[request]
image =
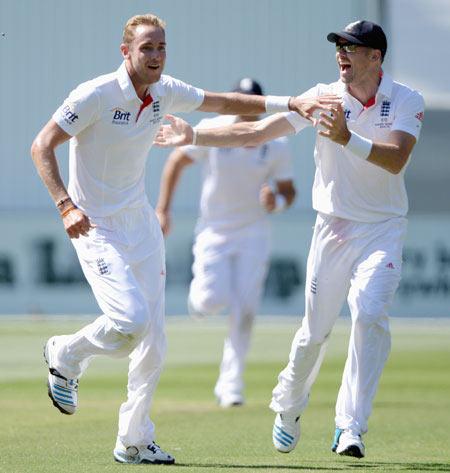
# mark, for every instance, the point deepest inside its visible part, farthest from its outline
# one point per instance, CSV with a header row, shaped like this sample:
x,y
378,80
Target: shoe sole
x,y
49,390
146,462
352,451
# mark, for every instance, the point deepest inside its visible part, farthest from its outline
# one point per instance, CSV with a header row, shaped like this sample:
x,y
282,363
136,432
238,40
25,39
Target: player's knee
x,y
370,311
308,337
246,321
207,303
138,319
377,319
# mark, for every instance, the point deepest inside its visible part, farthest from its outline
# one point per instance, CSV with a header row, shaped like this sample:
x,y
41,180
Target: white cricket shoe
x,y
148,454
350,444
286,432
61,390
230,400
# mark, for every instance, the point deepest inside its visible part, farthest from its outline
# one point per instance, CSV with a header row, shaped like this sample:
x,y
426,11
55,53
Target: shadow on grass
x,y
374,466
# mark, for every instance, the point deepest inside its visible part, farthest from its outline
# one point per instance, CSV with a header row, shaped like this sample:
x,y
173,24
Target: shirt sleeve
x,y
282,169
296,120
409,115
183,97
78,111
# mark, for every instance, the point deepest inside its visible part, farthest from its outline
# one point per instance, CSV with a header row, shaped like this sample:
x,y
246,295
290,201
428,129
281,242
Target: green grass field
x,y
409,428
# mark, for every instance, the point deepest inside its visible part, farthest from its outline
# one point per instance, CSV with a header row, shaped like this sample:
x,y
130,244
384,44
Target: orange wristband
x,y
67,211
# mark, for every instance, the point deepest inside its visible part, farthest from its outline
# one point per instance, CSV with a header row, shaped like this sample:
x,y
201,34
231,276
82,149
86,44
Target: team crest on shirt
x,y
385,111
102,266
120,116
157,117
263,153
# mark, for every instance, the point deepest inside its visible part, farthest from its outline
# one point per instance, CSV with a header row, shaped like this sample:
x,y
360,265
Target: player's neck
x,y
366,89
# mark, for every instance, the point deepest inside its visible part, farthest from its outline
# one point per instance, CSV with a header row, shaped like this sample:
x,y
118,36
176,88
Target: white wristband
x,y
275,104
194,136
280,203
359,146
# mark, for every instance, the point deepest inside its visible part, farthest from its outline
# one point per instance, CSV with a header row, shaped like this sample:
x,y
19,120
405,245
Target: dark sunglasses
x,y
347,47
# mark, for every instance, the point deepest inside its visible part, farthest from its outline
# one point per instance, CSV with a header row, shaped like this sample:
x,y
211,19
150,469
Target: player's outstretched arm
x,y
179,133
233,103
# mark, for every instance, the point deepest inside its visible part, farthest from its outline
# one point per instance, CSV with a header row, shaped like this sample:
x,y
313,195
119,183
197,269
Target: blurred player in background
x,y
362,150
111,122
231,251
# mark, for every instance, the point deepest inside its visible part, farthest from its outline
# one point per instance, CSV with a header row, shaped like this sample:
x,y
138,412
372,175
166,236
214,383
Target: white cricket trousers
x,y
360,261
229,272
123,261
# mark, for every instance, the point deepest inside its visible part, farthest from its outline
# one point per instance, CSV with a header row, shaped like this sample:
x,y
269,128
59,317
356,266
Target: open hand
x,y
335,125
307,106
177,133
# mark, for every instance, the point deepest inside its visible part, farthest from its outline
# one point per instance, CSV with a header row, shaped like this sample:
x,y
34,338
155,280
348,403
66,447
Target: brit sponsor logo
x,y
68,114
347,113
120,116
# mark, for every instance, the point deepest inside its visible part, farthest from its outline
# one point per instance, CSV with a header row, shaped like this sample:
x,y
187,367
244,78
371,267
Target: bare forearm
x,y
387,156
47,167
233,103
169,182
170,178
390,155
245,133
239,134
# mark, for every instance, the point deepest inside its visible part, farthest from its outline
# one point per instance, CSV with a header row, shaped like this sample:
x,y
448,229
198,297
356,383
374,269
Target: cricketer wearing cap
x,y
111,122
361,154
232,242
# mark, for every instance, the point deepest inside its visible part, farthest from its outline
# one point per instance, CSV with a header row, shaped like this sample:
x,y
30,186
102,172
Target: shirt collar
x,y
155,90
125,83
384,89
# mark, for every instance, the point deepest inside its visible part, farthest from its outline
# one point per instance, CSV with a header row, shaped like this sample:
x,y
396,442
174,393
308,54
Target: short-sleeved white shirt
x,y
109,144
233,177
347,186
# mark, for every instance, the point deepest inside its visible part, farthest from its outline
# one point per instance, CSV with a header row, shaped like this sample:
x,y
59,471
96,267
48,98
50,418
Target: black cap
x,y
248,86
364,33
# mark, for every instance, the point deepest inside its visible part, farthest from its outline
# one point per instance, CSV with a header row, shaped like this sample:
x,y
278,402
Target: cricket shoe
x,y
61,390
349,444
230,400
150,454
286,432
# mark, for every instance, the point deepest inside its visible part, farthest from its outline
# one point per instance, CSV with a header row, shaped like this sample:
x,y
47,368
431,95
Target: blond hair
x,y
134,21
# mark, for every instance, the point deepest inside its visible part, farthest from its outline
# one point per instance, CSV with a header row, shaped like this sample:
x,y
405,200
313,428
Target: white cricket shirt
x,y
347,186
111,137
232,179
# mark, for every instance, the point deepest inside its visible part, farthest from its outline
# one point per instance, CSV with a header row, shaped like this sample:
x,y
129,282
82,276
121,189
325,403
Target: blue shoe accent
x,y
337,434
283,437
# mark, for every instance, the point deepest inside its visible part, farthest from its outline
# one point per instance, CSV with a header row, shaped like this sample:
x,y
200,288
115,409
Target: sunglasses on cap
x,y
347,47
